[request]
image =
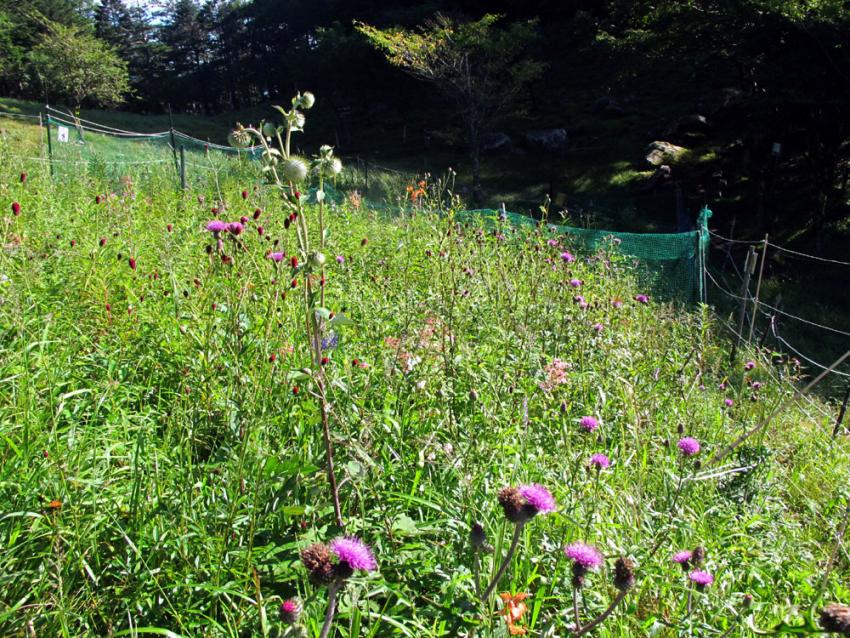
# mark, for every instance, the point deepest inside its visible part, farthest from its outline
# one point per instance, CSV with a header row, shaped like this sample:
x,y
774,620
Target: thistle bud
x,y
269,129
306,100
624,574
835,618
316,260
477,536
513,504
290,611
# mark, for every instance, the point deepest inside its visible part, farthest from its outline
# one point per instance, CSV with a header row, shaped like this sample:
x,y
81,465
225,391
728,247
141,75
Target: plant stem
x,y
575,608
329,615
514,542
601,617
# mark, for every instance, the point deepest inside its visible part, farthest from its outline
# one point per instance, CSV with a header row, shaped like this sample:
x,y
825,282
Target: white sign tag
x,y
62,134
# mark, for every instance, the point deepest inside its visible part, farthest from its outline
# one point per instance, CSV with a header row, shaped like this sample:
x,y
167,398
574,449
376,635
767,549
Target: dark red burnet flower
x,y
325,361
272,357
244,194
261,231
132,263
73,243
257,213
293,283
16,209
169,227
295,390
98,199
243,220
23,178
297,194
294,261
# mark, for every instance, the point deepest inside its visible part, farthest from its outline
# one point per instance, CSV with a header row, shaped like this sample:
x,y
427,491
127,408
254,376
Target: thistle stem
x,y
601,617
575,609
329,615
514,542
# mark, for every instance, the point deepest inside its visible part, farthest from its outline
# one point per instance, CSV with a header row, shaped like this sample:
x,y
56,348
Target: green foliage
x,y
74,65
156,405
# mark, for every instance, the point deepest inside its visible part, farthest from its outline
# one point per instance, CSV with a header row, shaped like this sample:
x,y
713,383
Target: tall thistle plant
x,y
289,173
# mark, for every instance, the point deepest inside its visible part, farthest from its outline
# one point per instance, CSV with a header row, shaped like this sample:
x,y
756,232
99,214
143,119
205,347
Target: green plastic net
x,y
107,152
670,264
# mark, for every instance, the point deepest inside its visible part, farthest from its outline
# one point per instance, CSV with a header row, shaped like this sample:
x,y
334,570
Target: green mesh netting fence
x,y
112,153
671,264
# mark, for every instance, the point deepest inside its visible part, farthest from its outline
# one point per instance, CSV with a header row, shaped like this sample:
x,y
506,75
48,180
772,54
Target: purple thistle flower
x,y
756,385
598,327
749,365
567,257
684,557
340,259
701,578
588,423
216,226
575,283
585,555
552,242
728,402
689,446
276,257
538,497
235,228
600,461
641,298
355,552
617,303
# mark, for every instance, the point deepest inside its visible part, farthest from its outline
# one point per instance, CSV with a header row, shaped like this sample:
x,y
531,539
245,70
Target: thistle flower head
x,y
216,226
749,365
585,558
354,552
235,228
567,257
317,560
700,578
583,554
513,504
683,558
588,423
600,461
277,257
642,298
689,446
538,497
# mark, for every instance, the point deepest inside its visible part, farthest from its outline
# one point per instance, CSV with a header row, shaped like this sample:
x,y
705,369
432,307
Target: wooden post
x,y
182,167
173,141
49,144
758,289
749,266
841,413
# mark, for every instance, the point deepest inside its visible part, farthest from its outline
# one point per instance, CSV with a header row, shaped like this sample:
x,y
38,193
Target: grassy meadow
x,y
161,432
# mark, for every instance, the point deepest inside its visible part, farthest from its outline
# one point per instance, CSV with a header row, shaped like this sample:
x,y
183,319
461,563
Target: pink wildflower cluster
x,y
556,374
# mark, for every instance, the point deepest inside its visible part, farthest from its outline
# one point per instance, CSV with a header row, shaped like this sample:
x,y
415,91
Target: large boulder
x,y
608,107
494,143
688,125
552,140
659,153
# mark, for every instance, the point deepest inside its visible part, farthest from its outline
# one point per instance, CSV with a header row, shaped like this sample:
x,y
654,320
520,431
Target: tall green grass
x,y
160,473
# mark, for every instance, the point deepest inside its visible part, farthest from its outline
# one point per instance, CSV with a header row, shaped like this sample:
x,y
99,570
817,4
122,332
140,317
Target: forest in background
x,y
755,93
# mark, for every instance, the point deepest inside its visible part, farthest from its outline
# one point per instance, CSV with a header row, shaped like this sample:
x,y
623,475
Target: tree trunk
x,y
475,157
